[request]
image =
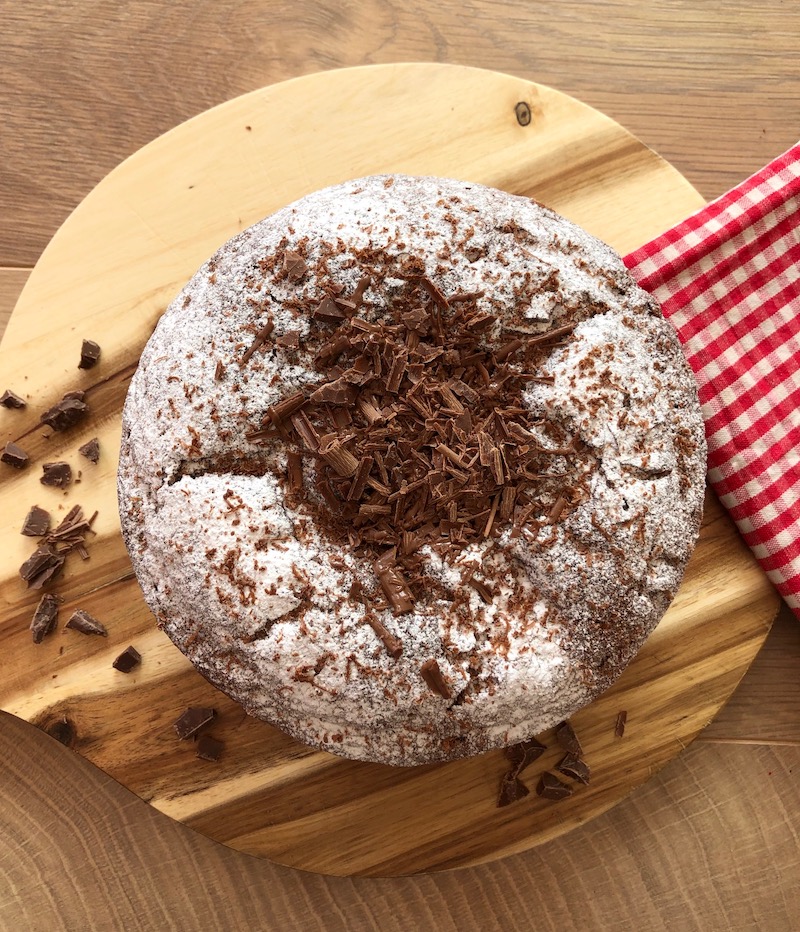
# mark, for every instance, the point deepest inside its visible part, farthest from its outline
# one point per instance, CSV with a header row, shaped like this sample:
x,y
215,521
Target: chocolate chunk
x,y
14,456
550,787
127,660
91,450
65,413
328,311
192,720
289,340
90,354
524,753
433,677
10,399
294,265
566,737
209,748
41,566
511,789
45,617
37,522
58,475
572,766
82,621
619,728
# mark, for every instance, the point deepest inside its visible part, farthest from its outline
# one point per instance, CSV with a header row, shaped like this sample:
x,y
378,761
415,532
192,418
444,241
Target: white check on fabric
x,y
728,279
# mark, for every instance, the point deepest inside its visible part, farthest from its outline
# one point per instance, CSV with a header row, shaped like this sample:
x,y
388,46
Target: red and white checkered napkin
x,y
728,278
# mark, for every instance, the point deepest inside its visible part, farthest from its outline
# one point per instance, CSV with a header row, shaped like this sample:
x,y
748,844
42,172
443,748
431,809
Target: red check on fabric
x,y
728,279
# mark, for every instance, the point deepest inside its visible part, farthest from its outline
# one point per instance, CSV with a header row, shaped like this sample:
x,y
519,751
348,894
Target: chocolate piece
x,y
45,617
65,413
41,566
294,265
572,766
390,642
37,522
566,737
219,370
396,590
550,787
91,450
511,789
90,354
619,727
127,660
289,340
433,677
58,475
14,456
524,753
294,468
328,311
10,399
261,338
209,748
82,621
192,720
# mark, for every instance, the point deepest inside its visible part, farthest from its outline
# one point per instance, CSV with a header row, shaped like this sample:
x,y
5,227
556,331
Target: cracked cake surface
x,y
411,468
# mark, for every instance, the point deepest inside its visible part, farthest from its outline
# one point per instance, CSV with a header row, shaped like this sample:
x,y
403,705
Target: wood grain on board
x,y
116,262
711,842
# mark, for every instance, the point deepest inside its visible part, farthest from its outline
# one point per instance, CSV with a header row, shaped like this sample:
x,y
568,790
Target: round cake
x,y
411,469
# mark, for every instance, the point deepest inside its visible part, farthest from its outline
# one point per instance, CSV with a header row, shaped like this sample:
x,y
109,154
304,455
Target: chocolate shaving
x,y
550,787
15,456
127,660
58,475
85,623
48,559
511,789
67,412
566,737
91,450
573,766
10,399
483,590
523,754
209,748
261,338
37,522
90,354
396,590
294,468
619,727
390,642
433,677
219,370
45,617
192,720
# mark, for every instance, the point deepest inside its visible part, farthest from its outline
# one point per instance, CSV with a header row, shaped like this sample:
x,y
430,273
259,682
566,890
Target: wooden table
x,y
712,842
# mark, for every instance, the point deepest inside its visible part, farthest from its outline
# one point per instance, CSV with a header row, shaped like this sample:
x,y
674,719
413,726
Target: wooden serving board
x,y
109,273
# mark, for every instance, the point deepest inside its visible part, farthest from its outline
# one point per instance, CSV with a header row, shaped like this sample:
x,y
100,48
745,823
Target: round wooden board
x,y
109,273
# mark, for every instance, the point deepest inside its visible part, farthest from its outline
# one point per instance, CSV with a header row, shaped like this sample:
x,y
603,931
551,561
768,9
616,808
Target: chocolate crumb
x,y
127,660
219,370
566,737
41,566
209,748
572,766
90,354
192,720
511,789
619,727
91,450
550,787
524,753
433,677
15,456
67,412
57,475
45,617
85,623
10,399
37,522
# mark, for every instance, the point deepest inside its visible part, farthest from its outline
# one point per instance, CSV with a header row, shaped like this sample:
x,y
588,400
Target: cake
x,y
411,469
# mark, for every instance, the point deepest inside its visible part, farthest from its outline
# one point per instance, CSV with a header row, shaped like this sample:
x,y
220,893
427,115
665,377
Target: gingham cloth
x,y
728,279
